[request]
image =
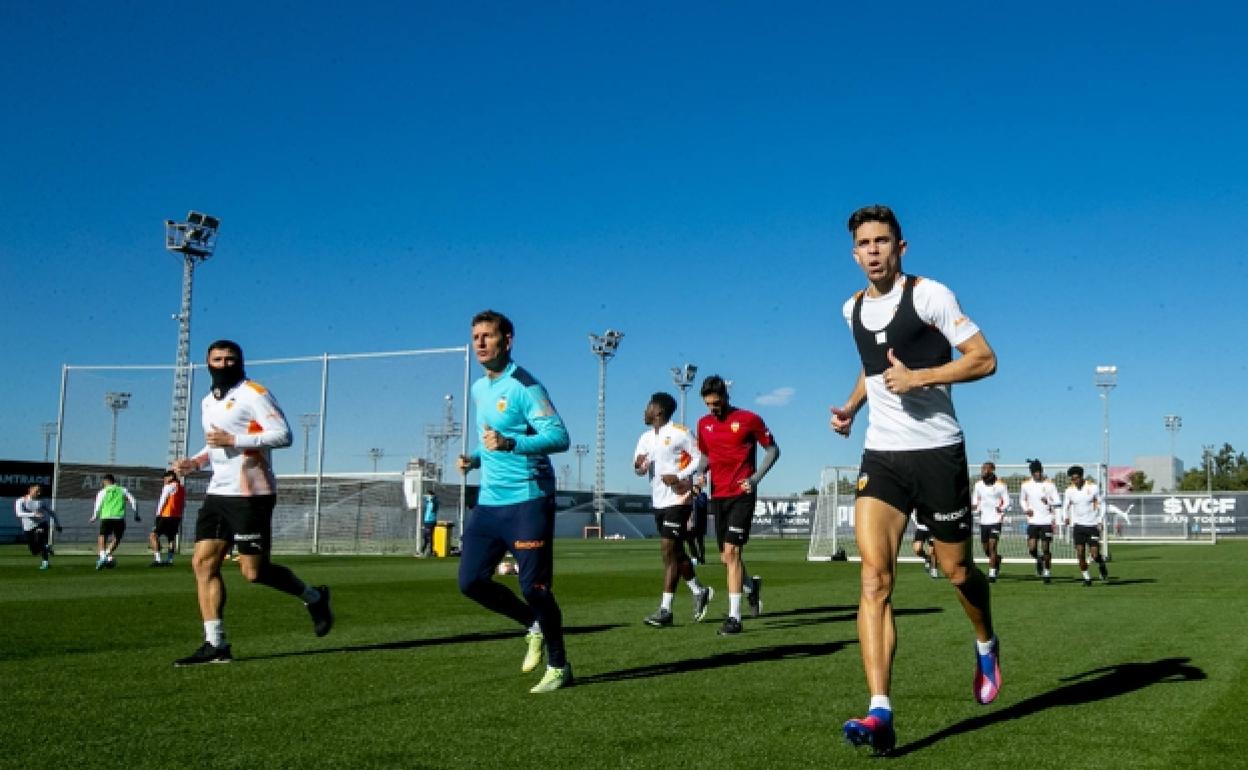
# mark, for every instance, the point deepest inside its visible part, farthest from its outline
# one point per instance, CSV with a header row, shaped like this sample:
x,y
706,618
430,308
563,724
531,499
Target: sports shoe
x,y
536,641
322,616
874,730
934,572
206,653
659,618
44,564
756,597
731,626
1104,572
1087,582
992,578
110,564
554,679
701,602
1047,579
155,563
987,681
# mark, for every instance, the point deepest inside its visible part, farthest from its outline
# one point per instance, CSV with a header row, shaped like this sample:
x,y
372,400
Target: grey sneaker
x,y
756,597
701,602
659,618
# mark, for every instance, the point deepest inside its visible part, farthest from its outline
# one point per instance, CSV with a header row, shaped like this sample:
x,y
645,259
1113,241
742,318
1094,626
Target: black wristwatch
x,y
511,444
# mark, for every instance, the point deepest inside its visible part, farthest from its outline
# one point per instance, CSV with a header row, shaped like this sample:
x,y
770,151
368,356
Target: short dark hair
x,y
170,475
1074,470
876,213
229,345
665,403
1034,466
715,384
109,478
504,324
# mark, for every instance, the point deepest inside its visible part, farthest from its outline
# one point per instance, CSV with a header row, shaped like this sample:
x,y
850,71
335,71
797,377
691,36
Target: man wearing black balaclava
x,y
242,425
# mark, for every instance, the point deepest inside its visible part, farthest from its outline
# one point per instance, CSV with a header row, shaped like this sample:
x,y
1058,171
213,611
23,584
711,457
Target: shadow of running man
x,y
1087,687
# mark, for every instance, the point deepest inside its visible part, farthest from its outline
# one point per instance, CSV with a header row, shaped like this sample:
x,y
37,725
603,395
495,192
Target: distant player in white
x,y
668,454
1038,498
991,499
919,542
1082,505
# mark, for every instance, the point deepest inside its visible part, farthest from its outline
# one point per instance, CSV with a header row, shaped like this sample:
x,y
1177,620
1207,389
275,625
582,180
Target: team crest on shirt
x,y
862,481
502,404
736,426
667,441
229,404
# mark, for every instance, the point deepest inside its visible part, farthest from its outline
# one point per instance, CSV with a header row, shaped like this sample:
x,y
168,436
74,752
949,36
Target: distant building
x,y
1164,471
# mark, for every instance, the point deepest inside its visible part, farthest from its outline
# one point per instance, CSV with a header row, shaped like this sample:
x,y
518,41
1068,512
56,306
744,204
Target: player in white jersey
x,y
1038,498
991,499
905,329
242,426
668,454
1082,505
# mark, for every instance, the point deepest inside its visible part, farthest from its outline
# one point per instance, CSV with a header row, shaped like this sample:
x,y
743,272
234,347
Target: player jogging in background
x,y
668,455
920,543
110,509
905,329
242,426
728,438
37,519
1038,498
168,522
1082,505
517,429
990,499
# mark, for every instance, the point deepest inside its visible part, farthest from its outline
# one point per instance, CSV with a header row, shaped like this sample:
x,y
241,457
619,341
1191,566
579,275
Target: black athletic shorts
x,y
113,527
733,517
931,482
37,538
671,522
1040,532
247,521
167,526
989,532
1086,534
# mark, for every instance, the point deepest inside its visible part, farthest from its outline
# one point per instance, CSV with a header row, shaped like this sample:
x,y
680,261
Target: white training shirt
x,y
671,449
1038,499
251,414
33,513
1083,506
991,501
923,418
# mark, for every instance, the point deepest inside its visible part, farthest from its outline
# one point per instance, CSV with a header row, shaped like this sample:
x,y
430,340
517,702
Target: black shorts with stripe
x,y
245,521
733,518
931,482
672,522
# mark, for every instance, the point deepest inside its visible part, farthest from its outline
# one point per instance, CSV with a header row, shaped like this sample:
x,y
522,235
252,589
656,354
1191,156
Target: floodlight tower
x,y
116,402
438,437
581,450
1106,379
308,421
683,377
194,241
375,454
604,346
49,430
1174,423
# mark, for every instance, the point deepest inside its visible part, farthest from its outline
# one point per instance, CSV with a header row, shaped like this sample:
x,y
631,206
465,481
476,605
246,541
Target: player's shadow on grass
x,y
1087,687
718,660
437,641
848,615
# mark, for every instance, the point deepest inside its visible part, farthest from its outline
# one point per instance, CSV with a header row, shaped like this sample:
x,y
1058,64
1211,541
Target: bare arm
x,y
843,417
975,362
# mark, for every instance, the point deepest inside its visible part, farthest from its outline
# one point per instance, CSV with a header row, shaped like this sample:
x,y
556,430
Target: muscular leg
x,y
730,555
1081,551
957,562
879,531
206,563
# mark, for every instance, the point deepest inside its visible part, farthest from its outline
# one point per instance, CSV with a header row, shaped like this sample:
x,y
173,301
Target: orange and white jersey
x,y
991,501
1038,499
172,501
1083,504
251,414
669,450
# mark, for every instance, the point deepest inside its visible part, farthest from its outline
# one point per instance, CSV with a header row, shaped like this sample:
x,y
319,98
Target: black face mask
x,y
990,478
225,378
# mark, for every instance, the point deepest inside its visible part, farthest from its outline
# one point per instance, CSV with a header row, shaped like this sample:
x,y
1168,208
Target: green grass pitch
x,y
1150,671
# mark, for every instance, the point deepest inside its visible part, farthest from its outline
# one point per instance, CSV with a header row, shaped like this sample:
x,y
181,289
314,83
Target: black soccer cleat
x,y
322,616
207,653
731,627
755,598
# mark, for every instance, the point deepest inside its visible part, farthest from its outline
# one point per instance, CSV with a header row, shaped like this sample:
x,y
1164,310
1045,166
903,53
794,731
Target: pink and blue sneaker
x,y
987,681
874,730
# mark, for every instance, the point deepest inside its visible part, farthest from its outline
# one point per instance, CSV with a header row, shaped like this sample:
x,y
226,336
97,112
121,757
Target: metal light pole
x,y
1208,449
993,454
1106,379
49,430
581,450
116,402
683,376
604,346
1173,424
308,421
375,454
194,241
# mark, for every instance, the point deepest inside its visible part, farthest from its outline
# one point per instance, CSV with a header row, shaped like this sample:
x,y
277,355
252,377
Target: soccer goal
x,y
832,531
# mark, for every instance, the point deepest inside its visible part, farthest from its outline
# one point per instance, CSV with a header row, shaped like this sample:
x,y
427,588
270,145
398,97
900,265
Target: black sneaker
x,y
207,653
1047,579
1104,573
660,618
322,616
756,597
1087,582
731,626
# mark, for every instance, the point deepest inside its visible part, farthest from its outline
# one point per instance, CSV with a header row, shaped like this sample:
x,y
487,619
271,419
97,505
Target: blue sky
x,y
1076,173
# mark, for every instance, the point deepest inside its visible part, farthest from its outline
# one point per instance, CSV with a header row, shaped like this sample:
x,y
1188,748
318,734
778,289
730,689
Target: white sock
x,y
1086,576
156,556
734,606
983,648
214,632
535,628
310,595
666,602
992,573
694,586
1046,572
881,702
103,555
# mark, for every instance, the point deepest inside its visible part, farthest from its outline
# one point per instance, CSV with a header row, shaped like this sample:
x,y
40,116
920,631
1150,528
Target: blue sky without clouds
x,y
1076,172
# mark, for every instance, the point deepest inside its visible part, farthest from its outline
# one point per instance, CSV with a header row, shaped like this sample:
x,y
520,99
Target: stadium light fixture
x,y
49,430
116,401
1173,423
604,346
375,454
683,377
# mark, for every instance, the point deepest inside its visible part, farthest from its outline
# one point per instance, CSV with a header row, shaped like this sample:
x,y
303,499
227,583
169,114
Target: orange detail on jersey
x,y
255,427
685,459
257,387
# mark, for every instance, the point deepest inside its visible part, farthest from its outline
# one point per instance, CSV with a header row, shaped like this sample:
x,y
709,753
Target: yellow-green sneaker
x,y
536,641
553,679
